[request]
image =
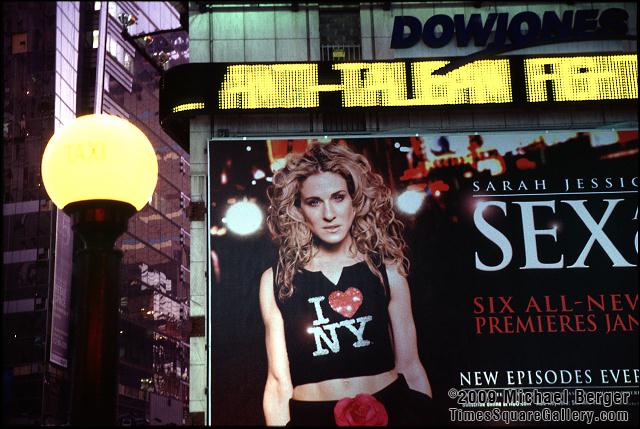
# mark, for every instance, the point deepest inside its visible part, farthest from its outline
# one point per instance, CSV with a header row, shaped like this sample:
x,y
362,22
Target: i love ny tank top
x,y
337,330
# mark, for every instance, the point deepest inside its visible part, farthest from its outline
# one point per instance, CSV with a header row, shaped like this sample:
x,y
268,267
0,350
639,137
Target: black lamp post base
x,y
99,222
95,304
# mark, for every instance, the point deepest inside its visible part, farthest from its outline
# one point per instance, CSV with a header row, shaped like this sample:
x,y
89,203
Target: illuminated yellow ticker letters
x,y
480,82
373,84
269,86
187,106
610,77
385,84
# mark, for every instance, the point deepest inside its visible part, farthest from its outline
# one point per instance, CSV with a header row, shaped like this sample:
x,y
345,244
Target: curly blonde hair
x,y
375,230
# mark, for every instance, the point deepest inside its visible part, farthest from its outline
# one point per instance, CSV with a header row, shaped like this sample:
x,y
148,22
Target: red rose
x,y
363,410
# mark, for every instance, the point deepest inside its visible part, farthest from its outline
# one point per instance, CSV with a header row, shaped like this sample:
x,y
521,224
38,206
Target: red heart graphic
x,y
347,302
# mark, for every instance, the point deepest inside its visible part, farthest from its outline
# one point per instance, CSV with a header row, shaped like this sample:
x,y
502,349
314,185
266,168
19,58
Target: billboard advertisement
x,y
446,279
61,291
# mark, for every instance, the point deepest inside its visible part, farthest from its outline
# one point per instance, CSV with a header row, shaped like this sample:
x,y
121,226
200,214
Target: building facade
x,y
267,108
62,60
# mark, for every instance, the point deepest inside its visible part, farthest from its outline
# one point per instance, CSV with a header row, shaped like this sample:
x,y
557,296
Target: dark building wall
x,y
339,27
28,122
154,347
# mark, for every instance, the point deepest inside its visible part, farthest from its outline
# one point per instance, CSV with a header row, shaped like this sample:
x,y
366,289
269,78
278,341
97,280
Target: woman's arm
x,y
404,333
278,389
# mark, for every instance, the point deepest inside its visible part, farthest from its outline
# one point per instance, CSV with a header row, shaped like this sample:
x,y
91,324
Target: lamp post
x,y
99,169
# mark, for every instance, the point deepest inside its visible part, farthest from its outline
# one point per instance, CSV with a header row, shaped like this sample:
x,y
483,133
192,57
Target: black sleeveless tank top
x,y
337,331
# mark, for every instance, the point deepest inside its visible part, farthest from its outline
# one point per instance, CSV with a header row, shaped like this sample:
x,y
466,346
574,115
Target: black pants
x,y
405,407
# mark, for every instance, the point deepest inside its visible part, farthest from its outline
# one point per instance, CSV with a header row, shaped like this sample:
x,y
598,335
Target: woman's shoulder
x,y
394,273
267,276
267,281
266,290
392,267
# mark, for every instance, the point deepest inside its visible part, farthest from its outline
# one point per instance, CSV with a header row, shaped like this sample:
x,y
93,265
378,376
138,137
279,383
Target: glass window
x,y
113,9
113,47
116,50
19,43
128,64
96,35
97,5
120,53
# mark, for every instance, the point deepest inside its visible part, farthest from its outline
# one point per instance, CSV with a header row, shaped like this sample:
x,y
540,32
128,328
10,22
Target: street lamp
x,y
99,169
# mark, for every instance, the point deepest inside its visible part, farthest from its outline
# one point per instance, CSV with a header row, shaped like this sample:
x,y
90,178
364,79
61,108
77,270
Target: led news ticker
x,y
411,83
607,77
187,106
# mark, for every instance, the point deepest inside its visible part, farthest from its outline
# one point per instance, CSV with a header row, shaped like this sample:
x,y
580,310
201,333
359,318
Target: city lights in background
x,y
243,218
494,166
259,174
410,201
278,164
217,231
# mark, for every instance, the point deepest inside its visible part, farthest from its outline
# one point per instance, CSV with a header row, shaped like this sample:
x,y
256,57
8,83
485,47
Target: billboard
x,y
523,250
58,352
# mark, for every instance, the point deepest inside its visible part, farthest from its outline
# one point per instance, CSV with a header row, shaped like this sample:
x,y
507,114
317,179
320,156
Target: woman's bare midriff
x,y
336,389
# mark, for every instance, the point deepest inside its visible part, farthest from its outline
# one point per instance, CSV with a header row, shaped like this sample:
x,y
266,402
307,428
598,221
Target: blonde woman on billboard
x,y
340,336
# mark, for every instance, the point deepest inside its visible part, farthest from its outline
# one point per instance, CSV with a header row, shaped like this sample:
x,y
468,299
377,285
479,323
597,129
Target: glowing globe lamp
x,y
99,157
99,169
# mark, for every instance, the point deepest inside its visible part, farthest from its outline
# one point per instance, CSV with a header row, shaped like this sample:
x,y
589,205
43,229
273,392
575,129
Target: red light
x,y
438,186
99,215
525,164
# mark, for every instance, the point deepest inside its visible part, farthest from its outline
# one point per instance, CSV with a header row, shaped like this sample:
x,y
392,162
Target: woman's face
x,y
327,207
